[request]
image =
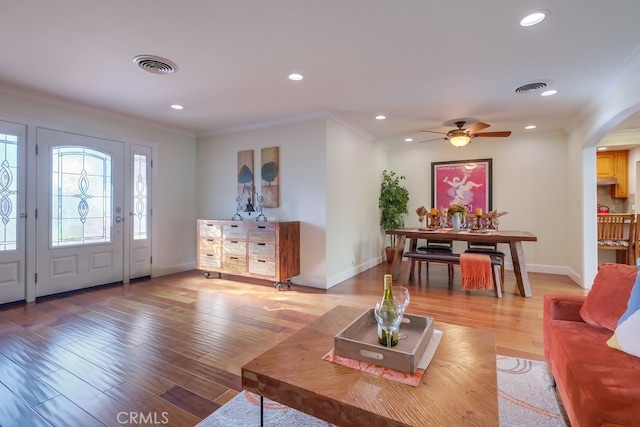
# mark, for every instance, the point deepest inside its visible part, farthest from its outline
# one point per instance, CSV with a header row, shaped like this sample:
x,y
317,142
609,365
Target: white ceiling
x,y
422,63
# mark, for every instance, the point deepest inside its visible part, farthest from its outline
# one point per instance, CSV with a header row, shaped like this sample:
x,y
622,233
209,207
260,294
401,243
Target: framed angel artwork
x,y
462,182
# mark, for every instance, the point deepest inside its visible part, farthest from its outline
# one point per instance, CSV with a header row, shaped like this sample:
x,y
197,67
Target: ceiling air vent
x,y
531,86
155,64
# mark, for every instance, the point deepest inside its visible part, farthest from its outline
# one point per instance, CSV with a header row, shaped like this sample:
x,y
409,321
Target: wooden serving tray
x,y
359,341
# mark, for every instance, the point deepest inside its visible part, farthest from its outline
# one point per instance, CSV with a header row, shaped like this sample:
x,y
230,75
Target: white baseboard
x,y
176,268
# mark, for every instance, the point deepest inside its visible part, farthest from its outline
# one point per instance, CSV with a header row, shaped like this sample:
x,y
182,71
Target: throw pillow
x,y
626,337
609,294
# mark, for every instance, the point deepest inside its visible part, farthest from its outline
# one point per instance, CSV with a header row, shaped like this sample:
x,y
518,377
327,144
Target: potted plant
x,y
392,202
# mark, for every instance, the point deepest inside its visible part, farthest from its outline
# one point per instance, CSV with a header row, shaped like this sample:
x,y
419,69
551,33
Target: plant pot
x,y
390,252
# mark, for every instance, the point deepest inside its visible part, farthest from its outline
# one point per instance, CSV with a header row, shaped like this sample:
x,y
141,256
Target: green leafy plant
x,y
393,202
457,208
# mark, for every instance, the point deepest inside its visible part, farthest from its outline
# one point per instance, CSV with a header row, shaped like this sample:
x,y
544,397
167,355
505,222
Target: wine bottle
x,y
389,304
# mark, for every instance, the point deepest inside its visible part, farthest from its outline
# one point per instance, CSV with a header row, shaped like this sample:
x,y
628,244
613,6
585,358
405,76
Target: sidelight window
x,y
8,192
140,197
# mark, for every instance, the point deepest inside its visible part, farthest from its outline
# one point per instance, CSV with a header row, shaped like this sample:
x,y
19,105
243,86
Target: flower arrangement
x,y
457,208
421,212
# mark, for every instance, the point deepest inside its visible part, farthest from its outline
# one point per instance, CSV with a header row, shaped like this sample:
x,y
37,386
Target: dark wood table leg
x,y
520,268
397,258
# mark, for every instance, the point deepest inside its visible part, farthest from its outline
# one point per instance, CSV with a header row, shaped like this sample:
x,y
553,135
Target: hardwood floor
x,y
168,351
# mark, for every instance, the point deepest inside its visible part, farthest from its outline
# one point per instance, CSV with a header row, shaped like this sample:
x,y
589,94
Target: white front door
x,y
79,212
12,212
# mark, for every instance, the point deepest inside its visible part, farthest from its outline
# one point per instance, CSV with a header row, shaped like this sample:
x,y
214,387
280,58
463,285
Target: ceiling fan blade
x,y
493,134
435,139
433,131
476,127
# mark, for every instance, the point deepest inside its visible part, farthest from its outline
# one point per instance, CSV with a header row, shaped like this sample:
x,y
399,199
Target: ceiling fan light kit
x,y
459,140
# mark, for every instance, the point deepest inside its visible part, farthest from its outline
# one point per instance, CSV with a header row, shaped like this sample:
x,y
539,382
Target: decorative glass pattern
x,y
140,197
81,203
8,192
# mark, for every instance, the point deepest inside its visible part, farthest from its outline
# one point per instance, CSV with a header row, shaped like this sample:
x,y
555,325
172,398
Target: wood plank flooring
x,y
168,351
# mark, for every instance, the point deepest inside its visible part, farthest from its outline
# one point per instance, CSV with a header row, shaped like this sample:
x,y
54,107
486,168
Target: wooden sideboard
x,y
267,250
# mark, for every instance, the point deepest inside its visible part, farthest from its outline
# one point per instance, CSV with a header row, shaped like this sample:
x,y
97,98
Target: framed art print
x,y
462,182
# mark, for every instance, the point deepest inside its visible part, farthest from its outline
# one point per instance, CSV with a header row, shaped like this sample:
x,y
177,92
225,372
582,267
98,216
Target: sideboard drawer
x,y
262,267
262,233
234,264
262,250
234,231
208,244
234,247
210,261
208,229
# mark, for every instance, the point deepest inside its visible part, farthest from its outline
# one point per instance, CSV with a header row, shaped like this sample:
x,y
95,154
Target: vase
x,y
456,221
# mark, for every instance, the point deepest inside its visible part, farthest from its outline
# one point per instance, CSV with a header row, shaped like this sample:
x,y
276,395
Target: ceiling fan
x,y
461,137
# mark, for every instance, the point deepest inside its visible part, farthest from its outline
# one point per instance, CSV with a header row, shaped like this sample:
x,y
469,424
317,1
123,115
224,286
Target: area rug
x,y
525,398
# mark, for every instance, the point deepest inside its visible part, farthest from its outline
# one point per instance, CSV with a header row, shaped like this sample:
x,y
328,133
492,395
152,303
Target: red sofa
x,y
598,385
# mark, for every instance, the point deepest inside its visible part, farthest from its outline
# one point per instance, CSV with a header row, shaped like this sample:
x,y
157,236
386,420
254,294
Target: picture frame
x,y
462,182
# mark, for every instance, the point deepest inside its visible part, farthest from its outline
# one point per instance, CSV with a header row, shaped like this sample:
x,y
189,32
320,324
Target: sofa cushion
x,y
609,294
626,336
597,384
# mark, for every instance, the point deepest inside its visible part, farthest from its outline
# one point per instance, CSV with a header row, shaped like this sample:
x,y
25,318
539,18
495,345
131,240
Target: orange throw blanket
x,y
476,271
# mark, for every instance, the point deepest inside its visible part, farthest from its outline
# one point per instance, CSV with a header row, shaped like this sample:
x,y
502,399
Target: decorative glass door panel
x,y
81,202
12,212
140,223
79,199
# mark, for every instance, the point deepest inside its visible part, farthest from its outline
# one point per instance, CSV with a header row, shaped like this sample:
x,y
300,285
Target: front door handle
x,y
119,219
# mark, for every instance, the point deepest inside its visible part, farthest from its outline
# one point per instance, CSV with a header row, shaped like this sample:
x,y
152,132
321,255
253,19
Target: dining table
x,y
513,238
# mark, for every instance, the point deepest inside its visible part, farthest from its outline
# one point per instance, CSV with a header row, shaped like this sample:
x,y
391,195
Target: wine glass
x,y
401,297
388,318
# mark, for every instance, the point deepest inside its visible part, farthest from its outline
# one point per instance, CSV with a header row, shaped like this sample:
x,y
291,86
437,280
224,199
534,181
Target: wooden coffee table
x,y
458,388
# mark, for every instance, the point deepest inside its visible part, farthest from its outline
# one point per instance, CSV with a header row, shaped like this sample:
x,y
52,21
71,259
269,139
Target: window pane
x,y
140,200
8,192
80,196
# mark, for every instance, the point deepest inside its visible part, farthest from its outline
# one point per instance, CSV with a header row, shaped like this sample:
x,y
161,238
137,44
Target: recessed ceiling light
x,y
381,117
530,127
296,77
533,18
408,140
601,148
177,107
549,92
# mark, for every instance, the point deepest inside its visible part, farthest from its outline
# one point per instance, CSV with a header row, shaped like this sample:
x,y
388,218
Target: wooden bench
x,y
452,259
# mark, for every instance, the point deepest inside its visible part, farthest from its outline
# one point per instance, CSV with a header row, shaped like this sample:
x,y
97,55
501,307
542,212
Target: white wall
x,y
616,100
529,177
302,184
174,152
354,173
329,178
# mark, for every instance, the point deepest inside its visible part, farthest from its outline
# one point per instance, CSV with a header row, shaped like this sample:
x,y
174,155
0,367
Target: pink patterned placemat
x,y
381,371
387,373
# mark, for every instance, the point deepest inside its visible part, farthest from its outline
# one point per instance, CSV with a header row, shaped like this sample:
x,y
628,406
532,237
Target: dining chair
x,y
618,232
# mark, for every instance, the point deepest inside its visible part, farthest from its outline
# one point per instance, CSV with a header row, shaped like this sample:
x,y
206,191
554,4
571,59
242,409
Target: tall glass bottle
x,y
389,303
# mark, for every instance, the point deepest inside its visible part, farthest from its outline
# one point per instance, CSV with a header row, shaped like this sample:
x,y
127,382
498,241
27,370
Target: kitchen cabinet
x,y
614,164
605,164
262,250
